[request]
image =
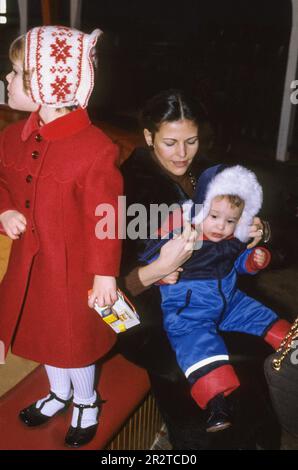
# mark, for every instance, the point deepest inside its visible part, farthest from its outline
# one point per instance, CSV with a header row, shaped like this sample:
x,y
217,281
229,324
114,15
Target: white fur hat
x,y
60,62
221,180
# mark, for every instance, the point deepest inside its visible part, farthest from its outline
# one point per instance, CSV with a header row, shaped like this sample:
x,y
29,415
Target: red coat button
x,y
35,154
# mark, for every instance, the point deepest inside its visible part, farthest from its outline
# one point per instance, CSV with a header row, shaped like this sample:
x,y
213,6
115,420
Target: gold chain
x,y
286,345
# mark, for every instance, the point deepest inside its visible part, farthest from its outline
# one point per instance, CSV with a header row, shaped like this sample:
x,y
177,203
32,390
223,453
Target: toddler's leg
x,y
60,385
209,392
84,394
247,315
57,401
222,380
87,407
203,357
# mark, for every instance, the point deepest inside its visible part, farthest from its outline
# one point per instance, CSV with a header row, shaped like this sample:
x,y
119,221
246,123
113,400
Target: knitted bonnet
x,y
59,60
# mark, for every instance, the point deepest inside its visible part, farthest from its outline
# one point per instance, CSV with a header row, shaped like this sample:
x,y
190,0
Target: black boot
x,y
219,415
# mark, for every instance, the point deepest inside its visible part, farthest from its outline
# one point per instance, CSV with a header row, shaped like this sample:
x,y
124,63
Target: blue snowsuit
x,y
206,300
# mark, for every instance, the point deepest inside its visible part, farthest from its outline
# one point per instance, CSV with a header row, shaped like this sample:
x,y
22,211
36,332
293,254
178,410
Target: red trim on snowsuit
x,y
221,380
277,332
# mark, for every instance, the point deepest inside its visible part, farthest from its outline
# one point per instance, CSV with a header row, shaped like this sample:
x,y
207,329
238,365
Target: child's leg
x,y
222,380
210,390
203,357
60,385
58,400
87,407
247,315
192,328
84,394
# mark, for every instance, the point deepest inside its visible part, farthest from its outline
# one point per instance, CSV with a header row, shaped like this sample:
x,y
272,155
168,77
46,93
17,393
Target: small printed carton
x,y
121,316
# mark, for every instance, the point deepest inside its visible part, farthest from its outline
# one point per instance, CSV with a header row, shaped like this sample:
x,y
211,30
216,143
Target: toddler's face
x,y
17,97
221,220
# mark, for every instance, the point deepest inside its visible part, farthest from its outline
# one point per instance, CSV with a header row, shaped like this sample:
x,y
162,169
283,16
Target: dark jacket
x,y
146,183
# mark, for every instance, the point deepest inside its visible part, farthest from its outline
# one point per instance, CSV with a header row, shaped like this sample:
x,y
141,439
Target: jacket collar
x,y
60,128
141,166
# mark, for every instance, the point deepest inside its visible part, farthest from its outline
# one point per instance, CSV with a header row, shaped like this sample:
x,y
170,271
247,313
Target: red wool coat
x,y
56,176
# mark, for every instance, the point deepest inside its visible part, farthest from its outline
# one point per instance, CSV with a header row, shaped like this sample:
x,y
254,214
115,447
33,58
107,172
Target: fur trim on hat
x,y
60,64
236,181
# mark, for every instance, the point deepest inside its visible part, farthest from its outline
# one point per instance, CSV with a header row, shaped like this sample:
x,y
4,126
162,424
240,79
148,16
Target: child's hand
x,y
171,278
14,223
259,257
104,291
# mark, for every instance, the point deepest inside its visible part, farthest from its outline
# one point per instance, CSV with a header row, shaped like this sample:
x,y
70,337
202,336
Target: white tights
x,y
82,381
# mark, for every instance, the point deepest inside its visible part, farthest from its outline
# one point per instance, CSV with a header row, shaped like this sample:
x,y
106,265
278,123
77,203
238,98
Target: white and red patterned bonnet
x,y
59,60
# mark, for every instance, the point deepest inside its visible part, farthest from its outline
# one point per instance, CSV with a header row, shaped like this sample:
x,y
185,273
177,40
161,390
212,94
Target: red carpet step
x,y
122,384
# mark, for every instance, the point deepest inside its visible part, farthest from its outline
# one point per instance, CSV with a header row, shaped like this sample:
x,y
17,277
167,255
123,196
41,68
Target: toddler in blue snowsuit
x,y
206,299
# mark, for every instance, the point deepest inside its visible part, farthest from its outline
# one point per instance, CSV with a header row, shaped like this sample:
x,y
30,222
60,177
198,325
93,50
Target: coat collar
x,y
60,128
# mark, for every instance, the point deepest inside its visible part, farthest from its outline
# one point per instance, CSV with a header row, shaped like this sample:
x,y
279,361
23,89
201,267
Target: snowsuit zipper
x,y
187,301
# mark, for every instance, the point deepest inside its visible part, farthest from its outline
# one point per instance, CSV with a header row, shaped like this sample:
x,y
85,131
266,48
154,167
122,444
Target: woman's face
x,y
175,145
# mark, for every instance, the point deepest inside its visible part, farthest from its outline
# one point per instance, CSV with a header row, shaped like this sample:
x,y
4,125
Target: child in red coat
x,y
56,169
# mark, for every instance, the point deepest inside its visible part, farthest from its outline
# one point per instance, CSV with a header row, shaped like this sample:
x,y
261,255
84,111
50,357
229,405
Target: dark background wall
x,y
231,53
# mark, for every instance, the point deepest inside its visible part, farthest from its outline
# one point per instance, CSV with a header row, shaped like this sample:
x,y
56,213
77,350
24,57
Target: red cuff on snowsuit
x,y
221,380
277,332
252,266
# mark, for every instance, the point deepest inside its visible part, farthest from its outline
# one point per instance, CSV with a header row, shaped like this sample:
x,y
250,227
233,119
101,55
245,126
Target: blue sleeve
x,y
240,263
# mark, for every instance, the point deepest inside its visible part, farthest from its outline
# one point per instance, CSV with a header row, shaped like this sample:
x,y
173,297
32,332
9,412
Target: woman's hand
x,y
256,232
171,278
104,291
14,223
177,251
172,255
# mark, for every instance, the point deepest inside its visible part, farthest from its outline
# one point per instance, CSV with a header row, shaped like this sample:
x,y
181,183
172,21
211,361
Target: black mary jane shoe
x,y
78,436
32,416
219,415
